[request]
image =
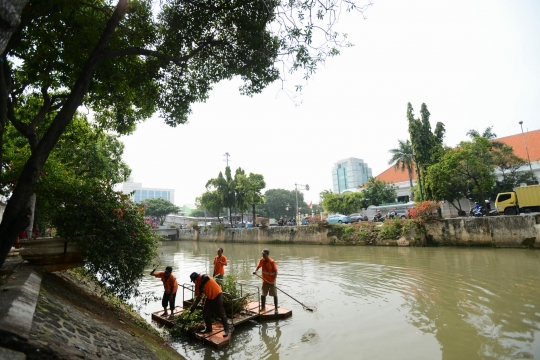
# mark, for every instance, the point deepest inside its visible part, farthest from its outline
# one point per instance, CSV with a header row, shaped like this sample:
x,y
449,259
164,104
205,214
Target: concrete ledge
x,y
11,355
18,299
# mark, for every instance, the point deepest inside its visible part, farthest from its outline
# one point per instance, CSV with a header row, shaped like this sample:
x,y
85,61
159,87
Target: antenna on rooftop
x,y
227,156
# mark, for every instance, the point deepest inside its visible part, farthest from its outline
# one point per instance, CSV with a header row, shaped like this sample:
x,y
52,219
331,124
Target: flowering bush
x,y
151,222
425,212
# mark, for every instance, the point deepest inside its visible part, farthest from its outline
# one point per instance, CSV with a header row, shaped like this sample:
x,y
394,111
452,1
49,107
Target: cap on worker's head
x,y
265,251
487,201
193,276
378,210
168,269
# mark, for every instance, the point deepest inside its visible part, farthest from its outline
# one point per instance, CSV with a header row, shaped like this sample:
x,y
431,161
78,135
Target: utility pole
x,y
302,187
526,149
227,156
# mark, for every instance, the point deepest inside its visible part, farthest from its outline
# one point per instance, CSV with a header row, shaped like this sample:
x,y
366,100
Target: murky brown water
x,y
379,303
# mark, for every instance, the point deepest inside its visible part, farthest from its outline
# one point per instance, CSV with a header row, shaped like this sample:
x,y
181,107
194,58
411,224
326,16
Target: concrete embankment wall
x,y
501,231
498,231
291,234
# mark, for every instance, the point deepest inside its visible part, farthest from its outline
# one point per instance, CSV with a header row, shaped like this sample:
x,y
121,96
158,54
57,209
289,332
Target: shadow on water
x,y
380,303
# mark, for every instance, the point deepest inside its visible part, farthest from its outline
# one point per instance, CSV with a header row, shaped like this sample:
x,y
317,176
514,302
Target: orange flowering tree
x,y
425,212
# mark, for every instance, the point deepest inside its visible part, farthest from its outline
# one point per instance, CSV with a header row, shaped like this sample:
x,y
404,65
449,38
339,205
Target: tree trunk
x,y
17,214
253,208
10,19
32,208
411,193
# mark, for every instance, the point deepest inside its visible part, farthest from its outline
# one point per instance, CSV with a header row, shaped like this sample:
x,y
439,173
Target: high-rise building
x,y
142,194
349,174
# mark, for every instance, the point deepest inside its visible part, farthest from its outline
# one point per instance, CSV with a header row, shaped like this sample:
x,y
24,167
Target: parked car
x,y
339,219
401,214
358,217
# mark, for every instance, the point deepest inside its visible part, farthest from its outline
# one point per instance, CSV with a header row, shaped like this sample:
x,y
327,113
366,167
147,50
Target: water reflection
x,y
410,303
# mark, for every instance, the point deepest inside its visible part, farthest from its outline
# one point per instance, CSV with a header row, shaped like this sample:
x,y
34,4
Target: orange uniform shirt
x,y
218,268
269,270
170,284
211,288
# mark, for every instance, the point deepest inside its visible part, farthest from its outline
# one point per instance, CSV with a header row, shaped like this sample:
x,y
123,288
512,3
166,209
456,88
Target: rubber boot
x,y
208,328
263,302
225,326
275,305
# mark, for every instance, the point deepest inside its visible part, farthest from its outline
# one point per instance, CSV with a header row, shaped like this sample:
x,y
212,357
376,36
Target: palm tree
x,y
402,158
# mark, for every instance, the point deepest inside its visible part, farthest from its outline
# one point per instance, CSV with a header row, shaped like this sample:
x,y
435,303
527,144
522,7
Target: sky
x,y
474,63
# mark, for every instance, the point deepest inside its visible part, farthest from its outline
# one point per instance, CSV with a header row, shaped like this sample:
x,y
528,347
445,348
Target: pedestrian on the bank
x,y
213,305
171,287
219,262
269,275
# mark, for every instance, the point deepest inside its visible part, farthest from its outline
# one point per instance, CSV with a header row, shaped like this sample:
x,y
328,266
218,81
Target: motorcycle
x,y
378,218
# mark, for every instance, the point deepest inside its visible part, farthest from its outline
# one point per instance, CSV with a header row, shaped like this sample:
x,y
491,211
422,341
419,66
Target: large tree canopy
x,y
127,59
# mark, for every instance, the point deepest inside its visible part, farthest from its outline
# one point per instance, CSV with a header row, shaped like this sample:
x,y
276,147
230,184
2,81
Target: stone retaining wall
x,y
500,231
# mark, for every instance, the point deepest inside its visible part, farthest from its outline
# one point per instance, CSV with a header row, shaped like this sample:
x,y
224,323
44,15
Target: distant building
x,y
349,174
143,193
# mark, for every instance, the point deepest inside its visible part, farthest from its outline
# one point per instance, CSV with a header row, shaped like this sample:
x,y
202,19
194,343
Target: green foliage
x,y
249,189
470,166
391,229
159,208
427,146
378,192
211,201
347,203
233,300
119,249
276,201
187,323
224,186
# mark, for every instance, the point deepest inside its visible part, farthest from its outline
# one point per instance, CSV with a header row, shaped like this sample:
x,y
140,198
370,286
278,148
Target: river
x,y
377,302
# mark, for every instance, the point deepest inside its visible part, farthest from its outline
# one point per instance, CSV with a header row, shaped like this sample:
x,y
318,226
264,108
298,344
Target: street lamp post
x,y
302,187
526,149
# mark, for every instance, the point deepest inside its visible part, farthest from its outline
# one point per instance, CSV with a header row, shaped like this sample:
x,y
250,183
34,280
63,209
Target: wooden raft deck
x,y
215,338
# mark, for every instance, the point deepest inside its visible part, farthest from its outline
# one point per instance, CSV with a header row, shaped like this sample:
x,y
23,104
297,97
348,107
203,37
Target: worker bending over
x,y
206,285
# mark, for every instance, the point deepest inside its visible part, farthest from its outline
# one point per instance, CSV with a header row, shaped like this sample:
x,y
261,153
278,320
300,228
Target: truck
x,y
524,199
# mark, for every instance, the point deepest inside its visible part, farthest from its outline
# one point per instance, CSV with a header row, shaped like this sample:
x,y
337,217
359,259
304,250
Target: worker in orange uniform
x,y
269,275
206,285
219,262
171,287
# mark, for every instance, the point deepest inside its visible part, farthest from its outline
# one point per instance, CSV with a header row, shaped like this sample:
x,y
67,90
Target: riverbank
x,y
521,231
71,320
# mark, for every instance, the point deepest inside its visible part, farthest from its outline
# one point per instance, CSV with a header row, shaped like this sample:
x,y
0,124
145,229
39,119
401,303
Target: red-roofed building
x,y
401,178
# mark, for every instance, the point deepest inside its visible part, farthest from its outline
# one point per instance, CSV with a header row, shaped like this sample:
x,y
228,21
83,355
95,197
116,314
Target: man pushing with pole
x,y
269,275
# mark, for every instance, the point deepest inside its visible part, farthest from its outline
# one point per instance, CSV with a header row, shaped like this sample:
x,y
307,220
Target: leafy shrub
x,y
230,300
391,229
425,212
109,230
218,227
187,323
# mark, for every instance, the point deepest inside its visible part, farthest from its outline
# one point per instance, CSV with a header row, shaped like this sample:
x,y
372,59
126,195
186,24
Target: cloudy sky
x,y
474,63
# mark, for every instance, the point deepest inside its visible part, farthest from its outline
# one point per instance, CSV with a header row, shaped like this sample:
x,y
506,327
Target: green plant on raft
x,y
232,301
187,323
